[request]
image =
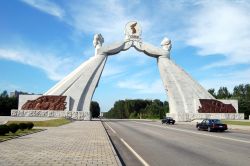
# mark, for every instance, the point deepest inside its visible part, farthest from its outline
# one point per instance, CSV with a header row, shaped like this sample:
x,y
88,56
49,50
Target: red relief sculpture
x,y
215,106
46,103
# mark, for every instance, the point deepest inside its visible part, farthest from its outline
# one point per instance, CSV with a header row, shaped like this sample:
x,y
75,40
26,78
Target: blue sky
x,y
41,41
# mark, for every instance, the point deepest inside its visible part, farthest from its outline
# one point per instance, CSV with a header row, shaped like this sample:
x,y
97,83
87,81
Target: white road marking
x,y
187,131
129,147
110,128
134,152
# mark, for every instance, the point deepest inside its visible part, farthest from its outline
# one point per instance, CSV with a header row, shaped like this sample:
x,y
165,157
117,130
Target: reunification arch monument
x,y
71,97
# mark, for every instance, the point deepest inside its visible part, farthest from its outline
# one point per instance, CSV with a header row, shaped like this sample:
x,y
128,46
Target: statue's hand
x,y
114,48
98,41
150,50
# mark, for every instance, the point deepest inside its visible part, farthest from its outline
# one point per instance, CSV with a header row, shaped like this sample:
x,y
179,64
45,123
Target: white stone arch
x,y
183,92
187,98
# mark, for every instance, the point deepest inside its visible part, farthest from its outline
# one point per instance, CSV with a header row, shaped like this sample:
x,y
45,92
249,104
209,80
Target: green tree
x,y
212,92
239,91
7,103
95,109
247,89
4,94
242,94
138,108
223,93
244,107
157,109
154,111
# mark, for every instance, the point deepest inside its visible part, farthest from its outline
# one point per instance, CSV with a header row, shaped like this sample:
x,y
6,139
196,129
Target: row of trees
x,y
144,108
240,93
139,109
157,109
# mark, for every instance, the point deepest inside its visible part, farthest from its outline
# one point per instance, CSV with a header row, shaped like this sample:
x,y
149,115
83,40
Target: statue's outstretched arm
x,y
115,48
154,51
110,49
149,49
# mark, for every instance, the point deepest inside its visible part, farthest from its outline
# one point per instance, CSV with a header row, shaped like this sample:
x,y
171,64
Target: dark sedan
x,y
211,125
168,120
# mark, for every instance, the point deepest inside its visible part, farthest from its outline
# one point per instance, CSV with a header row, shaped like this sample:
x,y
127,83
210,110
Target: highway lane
x,y
159,144
234,134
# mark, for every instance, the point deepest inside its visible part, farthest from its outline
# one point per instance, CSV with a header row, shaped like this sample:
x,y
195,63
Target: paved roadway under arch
x,y
179,144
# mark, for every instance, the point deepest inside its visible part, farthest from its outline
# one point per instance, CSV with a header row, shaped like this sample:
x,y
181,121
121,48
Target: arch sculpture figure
x,y
183,92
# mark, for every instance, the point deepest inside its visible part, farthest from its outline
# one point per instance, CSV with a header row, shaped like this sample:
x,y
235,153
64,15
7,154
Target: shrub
x,y
13,127
23,126
4,129
30,125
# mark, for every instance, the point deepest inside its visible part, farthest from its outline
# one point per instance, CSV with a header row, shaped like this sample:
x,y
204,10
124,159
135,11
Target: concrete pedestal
x,y
76,115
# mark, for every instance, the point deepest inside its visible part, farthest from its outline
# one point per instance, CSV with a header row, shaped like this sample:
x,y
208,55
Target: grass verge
x,y
19,133
47,123
232,122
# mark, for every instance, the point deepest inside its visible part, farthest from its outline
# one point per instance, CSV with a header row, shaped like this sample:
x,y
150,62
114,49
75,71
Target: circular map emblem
x,y
133,30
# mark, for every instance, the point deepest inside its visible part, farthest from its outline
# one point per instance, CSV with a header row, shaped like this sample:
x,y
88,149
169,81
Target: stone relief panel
x,y
46,103
215,106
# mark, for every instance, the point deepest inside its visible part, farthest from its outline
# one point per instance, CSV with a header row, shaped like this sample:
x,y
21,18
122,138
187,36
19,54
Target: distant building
x,y
17,93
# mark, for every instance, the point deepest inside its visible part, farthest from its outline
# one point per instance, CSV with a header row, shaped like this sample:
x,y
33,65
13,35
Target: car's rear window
x,y
216,121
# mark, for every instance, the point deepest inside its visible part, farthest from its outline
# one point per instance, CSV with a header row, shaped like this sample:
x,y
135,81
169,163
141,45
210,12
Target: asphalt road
x,y
151,143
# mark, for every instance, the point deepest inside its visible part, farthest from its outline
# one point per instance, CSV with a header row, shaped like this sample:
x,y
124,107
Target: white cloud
x,y
130,57
214,27
142,87
221,27
126,63
229,79
112,70
106,17
47,7
89,17
54,66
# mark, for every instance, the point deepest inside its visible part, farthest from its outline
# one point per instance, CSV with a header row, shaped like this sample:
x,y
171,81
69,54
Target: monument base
x,y
192,116
76,115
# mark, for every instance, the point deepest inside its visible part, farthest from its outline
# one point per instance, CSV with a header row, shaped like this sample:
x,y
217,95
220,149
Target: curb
x,y
118,161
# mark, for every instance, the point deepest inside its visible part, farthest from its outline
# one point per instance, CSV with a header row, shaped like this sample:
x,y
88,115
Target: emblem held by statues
x,y
133,31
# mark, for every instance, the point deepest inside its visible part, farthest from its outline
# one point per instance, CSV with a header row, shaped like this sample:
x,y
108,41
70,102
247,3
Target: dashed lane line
x,y
130,148
111,128
134,152
187,131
